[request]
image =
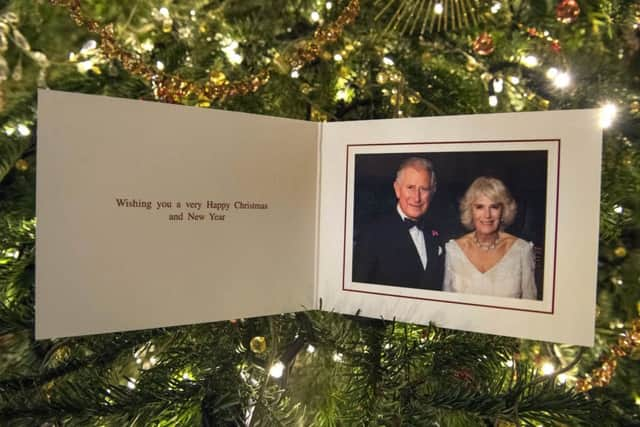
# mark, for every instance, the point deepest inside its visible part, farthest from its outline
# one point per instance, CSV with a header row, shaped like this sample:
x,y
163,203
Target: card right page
x,y
538,176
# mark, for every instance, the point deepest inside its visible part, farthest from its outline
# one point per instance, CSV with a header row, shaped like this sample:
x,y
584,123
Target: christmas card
x,y
154,215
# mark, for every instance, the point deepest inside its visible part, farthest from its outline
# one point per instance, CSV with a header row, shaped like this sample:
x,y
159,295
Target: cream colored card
x,y
550,159
154,215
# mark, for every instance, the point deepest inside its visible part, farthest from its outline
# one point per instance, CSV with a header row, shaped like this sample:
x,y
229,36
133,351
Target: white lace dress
x,y
512,276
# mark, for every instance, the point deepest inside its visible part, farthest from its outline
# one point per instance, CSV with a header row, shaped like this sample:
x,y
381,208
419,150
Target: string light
x,y
159,65
164,12
88,47
337,357
551,73
147,45
277,370
438,8
295,74
498,85
387,61
84,66
311,349
496,7
548,368
328,5
562,80
514,80
529,61
493,100
229,48
618,209
337,57
24,130
131,384
315,16
607,115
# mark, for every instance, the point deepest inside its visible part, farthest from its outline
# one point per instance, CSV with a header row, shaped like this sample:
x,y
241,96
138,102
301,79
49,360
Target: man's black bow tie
x,y
411,223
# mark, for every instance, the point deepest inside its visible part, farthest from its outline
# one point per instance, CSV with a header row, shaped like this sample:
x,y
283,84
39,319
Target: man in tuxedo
x,y
401,249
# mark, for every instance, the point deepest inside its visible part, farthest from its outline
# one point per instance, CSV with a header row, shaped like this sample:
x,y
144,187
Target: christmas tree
x,y
334,61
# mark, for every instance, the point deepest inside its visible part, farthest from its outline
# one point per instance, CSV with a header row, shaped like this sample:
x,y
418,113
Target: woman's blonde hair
x,y
497,192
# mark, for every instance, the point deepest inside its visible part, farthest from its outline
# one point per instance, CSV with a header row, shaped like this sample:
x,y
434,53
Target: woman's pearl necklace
x,y
486,246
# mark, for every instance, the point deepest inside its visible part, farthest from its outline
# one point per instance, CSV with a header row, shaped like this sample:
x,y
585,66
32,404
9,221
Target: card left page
x,y
153,215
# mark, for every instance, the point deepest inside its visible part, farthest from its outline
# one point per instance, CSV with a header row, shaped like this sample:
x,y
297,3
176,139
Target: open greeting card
x,y
153,215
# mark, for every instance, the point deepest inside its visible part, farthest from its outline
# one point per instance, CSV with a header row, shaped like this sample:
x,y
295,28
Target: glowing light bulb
x,y
192,12
496,7
562,80
277,370
498,85
159,65
337,57
337,357
529,61
551,73
147,45
562,378
514,80
548,368
509,363
131,384
311,349
328,5
618,209
295,74
387,61
315,16
24,130
341,95
164,12
607,115
438,8
85,66
493,101
88,46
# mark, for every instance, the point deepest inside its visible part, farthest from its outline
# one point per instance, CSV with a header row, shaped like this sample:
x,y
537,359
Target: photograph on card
x,y
458,222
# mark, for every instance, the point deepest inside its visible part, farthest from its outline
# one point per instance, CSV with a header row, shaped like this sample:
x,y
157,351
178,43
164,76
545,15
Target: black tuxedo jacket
x,y
385,254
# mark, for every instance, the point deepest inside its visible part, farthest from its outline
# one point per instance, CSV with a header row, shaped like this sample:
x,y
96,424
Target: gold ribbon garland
x,y
172,88
601,376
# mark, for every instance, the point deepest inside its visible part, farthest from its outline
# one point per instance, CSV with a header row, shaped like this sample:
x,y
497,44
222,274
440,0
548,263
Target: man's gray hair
x,y
419,163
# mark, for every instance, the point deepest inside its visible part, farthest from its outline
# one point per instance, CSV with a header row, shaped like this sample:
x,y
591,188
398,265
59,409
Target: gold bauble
x,y
22,165
395,76
620,251
167,25
396,99
414,98
471,64
258,344
217,77
318,115
382,77
543,104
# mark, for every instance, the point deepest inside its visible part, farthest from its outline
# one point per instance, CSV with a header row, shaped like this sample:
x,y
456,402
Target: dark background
x,y
523,172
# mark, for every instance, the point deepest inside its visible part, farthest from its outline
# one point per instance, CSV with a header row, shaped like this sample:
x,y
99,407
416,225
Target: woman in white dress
x,y
489,261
